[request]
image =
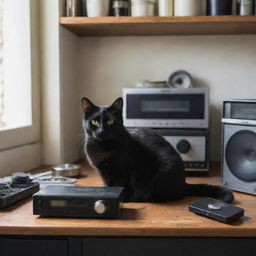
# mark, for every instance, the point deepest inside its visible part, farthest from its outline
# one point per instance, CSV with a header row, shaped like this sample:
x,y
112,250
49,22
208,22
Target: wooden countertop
x,y
137,219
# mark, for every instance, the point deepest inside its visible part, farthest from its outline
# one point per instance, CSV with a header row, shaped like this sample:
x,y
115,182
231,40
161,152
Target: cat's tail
x,y
219,192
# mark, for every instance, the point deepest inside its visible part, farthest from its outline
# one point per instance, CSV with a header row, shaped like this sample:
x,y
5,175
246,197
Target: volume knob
x,y
183,146
100,206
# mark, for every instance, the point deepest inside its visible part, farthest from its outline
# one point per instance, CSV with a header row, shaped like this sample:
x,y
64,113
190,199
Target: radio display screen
x,y
243,111
165,106
67,203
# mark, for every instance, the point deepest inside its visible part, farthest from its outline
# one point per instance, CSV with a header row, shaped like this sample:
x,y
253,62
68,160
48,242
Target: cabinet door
x,y
168,246
33,246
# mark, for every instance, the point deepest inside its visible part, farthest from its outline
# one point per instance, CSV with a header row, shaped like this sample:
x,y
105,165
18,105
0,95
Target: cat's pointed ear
x,y
118,104
87,105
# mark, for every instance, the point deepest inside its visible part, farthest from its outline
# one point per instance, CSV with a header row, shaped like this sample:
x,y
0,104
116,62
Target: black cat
x,y
142,161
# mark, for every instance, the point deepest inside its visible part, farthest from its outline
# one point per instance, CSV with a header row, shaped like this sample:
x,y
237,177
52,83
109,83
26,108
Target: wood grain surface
x,y
137,219
135,26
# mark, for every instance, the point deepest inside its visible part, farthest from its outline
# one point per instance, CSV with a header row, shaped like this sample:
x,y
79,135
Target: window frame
x,y
25,136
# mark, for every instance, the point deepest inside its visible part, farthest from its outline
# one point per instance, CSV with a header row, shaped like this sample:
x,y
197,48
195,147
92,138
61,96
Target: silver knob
x,y
100,207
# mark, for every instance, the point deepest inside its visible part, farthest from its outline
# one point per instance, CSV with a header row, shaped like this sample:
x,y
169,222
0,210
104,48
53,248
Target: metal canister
x,y
219,7
73,8
245,7
143,8
120,8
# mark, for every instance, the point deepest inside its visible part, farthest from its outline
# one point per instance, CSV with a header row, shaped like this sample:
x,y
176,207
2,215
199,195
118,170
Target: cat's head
x,y
102,123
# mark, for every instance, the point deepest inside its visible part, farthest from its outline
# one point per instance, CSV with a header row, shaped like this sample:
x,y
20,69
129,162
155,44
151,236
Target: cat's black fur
x,y
143,162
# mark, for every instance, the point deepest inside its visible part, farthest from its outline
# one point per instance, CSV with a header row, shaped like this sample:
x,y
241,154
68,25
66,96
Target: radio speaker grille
x,y
240,155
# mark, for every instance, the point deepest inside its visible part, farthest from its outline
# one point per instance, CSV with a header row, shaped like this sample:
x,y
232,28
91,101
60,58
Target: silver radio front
x,y
181,116
166,108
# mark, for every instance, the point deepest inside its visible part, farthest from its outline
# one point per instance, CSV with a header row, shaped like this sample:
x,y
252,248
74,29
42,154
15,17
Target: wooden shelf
x,y
134,26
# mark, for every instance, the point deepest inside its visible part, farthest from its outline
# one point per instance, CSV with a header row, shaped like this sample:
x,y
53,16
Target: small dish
x,y
67,170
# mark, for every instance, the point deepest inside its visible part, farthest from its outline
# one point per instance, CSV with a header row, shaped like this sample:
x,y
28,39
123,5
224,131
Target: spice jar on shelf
x,y
97,8
143,8
120,7
187,7
165,7
245,7
73,8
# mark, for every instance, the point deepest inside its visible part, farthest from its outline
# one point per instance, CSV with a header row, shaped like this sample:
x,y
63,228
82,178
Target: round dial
x,y
100,206
183,146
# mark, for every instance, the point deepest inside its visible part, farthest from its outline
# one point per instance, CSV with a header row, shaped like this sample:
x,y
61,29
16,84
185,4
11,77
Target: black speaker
x,y
239,145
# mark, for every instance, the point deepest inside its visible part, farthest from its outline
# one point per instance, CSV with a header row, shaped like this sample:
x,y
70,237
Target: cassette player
x,y
74,201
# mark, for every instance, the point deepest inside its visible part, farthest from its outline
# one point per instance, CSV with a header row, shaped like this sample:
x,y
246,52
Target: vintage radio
x,y
74,201
239,145
181,116
166,108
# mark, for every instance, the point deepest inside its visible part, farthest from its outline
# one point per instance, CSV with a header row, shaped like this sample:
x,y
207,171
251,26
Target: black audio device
x,y
18,188
74,201
216,210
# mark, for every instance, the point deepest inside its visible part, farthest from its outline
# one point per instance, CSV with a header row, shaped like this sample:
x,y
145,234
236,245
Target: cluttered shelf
x,y
135,26
137,219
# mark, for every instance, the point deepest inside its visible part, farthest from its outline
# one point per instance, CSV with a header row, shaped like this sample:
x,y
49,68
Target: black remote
x,y
20,187
216,210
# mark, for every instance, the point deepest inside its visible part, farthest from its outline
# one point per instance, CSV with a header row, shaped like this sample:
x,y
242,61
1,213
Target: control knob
x,y
183,146
20,178
100,207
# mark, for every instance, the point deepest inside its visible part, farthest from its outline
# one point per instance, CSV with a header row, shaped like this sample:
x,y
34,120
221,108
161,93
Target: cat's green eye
x,y
110,122
95,122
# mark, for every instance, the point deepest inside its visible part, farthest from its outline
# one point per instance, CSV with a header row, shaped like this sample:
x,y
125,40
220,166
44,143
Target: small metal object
x,y
73,8
55,180
20,178
215,206
151,84
67,170
41,174
120,8
4,185
100,207
245,7
180,79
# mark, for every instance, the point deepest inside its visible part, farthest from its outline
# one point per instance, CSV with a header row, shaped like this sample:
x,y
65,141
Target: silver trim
x,y
238,121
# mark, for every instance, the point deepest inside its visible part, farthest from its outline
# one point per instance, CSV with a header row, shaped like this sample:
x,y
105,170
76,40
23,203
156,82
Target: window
x,y
19,75
15,71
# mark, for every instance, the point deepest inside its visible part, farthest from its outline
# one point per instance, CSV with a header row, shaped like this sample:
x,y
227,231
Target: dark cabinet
x,y
168,246
128,246
30,246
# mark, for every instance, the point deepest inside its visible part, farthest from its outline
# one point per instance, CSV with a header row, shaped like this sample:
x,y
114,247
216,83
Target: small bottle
x,y
203,8
165,7
245,7
143,8
73,8
120,8
187,7
219,7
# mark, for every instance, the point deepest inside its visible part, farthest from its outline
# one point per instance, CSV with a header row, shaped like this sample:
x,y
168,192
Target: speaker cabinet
x,y
239,157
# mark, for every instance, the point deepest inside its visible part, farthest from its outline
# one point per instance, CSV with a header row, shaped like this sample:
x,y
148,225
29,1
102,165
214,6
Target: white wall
x,y
50,82
71,128
225,64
